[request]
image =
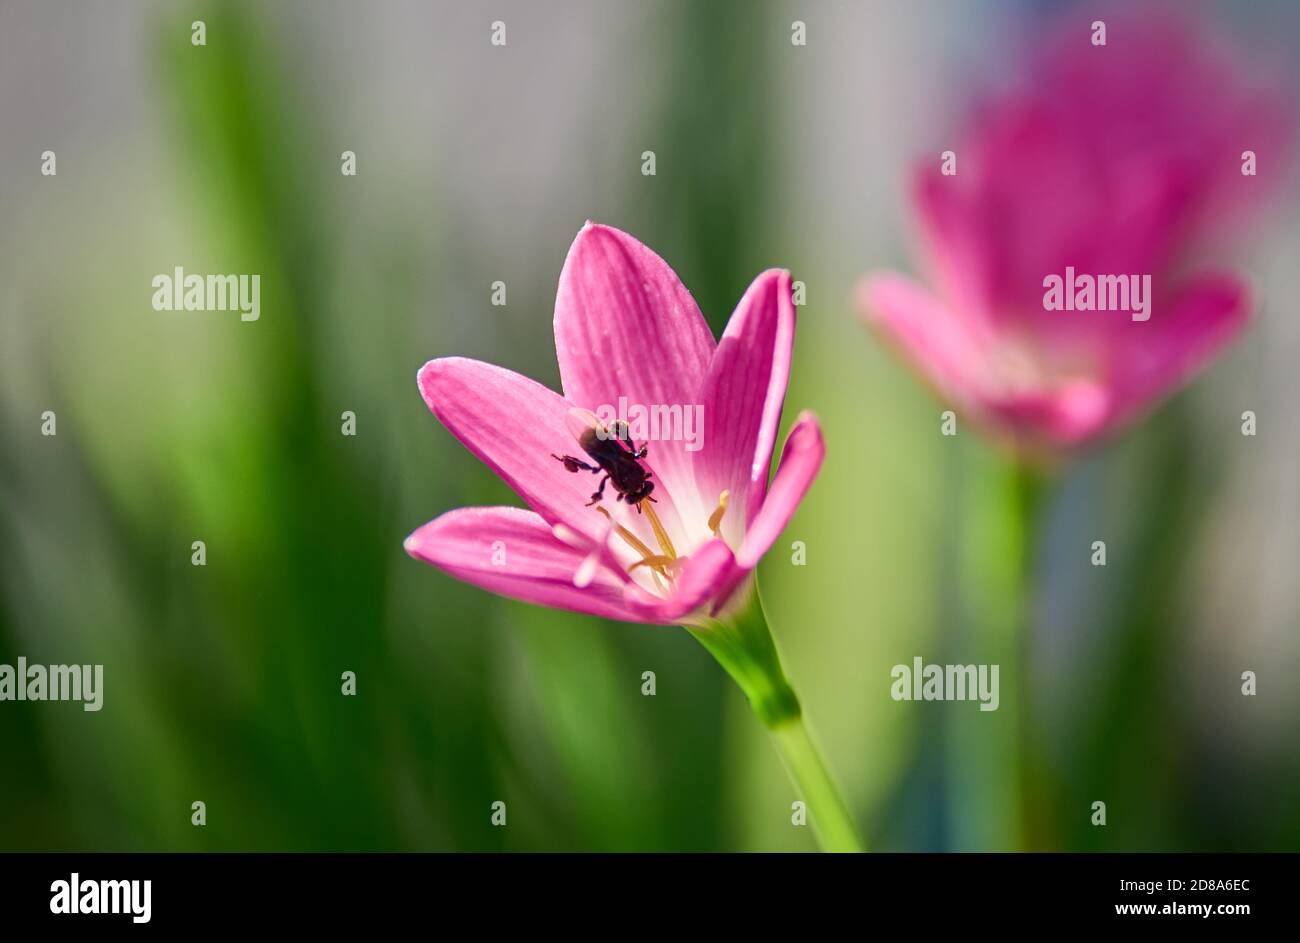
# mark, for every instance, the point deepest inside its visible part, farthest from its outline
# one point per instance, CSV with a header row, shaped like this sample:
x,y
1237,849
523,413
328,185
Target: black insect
x,y
616,456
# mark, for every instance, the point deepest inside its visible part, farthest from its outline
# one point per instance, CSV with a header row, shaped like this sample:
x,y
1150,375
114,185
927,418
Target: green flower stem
x,y
742,643
832,821
1029,486
994,791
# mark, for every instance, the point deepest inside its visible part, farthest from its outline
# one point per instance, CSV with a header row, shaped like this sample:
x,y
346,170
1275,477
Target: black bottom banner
x,y
90,892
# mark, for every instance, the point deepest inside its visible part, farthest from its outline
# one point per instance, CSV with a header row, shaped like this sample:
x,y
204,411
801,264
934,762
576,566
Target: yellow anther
x,y
715,519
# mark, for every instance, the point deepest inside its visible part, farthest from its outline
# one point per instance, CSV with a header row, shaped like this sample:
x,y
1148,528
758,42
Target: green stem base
x,y
742,643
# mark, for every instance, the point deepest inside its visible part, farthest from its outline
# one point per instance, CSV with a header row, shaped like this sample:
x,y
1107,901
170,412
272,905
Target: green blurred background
x,y
477,163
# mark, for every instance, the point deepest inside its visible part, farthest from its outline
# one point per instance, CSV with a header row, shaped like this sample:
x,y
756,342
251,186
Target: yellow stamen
x,y
715,519
665,544
655,562
661,567
635,543
663,581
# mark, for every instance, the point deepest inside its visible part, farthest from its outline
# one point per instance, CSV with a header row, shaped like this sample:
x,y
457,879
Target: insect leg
x,y
623,432
600,492
574,464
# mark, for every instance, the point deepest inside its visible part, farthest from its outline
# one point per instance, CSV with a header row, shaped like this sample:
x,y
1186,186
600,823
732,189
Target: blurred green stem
x,y
742,643
991,784
1028,491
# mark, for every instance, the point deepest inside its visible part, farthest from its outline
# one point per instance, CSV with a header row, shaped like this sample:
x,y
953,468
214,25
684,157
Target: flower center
x,y
662,565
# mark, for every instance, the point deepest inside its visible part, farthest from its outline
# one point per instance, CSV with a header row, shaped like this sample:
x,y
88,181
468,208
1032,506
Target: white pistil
x,y
586,571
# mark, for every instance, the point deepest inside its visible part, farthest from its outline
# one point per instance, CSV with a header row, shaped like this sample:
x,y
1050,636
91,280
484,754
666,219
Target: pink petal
x,y
742,397
1172,95
948,350
1129,149
1067,414
514,425
959,356
800,461
625,326
956,245
1205,316
514,553
708,572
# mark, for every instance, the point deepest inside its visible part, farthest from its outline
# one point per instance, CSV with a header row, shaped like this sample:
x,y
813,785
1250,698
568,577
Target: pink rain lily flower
x,y
1117,160
627,330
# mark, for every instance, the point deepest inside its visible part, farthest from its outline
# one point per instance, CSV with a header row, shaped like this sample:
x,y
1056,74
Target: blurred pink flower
x,y
625,326
1122,159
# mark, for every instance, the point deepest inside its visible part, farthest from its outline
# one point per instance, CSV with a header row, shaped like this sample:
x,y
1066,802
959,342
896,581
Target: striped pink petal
x,y
742,398
626,327
514,552
801,460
